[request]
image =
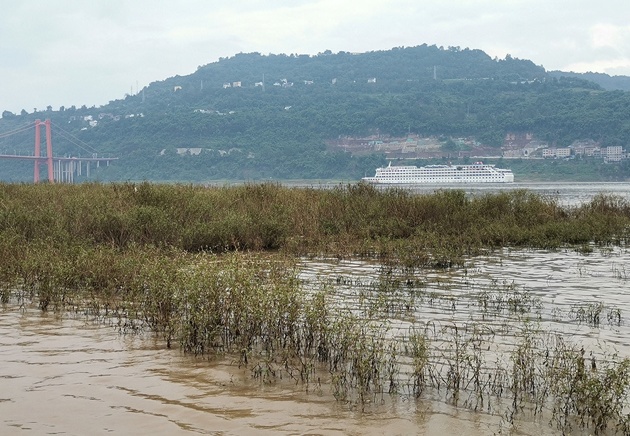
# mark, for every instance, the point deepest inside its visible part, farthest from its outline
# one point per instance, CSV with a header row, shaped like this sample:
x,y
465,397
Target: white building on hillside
x,y
613,154
556,152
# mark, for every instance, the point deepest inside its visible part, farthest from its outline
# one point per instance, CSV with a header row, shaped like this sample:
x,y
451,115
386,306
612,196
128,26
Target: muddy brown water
x,y
67,375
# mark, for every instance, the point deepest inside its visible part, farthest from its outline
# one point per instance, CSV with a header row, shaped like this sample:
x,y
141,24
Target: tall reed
x,y
432,229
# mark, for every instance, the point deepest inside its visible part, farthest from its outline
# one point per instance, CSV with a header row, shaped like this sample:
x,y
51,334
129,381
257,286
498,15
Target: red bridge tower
x,y
38,152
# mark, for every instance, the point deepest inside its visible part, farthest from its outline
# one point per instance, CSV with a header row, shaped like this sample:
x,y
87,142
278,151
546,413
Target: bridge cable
x,y
16,130
74,140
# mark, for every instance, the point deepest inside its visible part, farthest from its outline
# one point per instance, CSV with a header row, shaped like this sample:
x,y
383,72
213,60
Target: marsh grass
x,y
253,307
213,272
394,226
595,314
499,298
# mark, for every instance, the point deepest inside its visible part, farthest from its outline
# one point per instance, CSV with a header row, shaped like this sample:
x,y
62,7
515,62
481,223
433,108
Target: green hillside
x,y
274,118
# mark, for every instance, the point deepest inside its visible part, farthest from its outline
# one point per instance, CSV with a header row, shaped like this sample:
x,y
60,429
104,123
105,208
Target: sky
x,y
77,52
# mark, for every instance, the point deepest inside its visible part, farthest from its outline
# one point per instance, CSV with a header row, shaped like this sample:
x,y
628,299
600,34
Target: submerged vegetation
x,y
215,271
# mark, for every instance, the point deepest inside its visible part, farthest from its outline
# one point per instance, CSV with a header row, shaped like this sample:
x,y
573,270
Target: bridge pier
x,y
65,170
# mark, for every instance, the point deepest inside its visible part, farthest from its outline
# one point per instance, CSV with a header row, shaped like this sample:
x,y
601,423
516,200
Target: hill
x,y
261,117
607,82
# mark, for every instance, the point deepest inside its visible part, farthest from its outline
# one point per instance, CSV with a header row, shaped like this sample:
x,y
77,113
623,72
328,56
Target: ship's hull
x,y
440,174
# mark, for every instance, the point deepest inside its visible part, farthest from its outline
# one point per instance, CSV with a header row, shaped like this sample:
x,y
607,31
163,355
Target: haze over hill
x,y
71,52
256,117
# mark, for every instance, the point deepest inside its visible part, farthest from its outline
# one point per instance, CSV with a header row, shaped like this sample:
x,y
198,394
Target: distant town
x,y
515,146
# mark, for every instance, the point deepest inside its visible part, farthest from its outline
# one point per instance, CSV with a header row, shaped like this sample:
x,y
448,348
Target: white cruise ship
x,y
441,174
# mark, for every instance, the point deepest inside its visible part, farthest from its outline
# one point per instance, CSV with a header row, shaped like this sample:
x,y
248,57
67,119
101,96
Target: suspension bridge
x,y
62,169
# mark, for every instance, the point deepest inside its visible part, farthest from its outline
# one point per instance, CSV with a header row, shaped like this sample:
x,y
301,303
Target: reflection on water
x,y
69,376
556,291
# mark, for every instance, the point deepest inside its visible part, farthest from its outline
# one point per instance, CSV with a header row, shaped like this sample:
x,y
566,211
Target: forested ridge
x,y
274,119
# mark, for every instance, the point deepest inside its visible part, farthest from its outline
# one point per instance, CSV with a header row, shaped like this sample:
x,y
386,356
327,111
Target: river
x,y
69,377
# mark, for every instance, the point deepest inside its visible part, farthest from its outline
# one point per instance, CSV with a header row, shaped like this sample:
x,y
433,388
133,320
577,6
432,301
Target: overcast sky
x,y
75,52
